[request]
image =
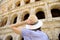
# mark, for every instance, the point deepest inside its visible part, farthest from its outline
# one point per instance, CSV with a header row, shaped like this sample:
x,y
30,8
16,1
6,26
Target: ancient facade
x,y
14,11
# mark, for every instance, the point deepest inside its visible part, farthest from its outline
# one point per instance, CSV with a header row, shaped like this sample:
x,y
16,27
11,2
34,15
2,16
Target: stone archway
x,y
55,12
17,4
40,15
14,18
9,38
25,15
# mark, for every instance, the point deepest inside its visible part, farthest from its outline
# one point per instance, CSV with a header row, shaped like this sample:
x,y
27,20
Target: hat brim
x,y
39,24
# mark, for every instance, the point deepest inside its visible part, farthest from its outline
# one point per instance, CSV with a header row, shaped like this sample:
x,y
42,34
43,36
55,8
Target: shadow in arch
x,y
22,38
59,36
9,38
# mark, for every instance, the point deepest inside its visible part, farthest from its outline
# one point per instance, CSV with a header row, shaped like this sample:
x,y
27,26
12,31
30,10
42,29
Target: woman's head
x,y
35,26
32,20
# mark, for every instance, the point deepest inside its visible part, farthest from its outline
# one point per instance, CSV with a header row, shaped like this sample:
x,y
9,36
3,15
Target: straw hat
x,y
37,25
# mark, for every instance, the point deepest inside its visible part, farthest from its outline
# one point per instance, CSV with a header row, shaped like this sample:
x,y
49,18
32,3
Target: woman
x,y
29,31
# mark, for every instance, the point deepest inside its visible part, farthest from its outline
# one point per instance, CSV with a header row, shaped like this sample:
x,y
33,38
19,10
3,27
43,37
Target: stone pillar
x,y
6,7
18,18
13,4
48,12
22,2
32,1
0,10
8,20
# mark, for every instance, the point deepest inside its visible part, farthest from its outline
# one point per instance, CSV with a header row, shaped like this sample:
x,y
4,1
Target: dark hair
x,y
37,29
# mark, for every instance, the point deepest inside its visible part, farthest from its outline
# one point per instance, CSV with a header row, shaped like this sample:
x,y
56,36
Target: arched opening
x,y
22,38
59,37
55,12
9,38
40,15
18,4
15,20
27,1
26,16
4,21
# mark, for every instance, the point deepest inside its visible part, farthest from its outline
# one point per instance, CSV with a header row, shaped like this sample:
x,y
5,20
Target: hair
x,y
37,29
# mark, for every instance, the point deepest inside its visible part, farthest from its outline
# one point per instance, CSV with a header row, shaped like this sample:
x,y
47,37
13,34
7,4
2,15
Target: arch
x,y
25,15
14,19
17,4
38,9
0,39
9,37
40,13
27,1
18,37
4,21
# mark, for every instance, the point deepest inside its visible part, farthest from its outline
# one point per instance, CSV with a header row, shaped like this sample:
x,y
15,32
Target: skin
x,y
15,26
31,20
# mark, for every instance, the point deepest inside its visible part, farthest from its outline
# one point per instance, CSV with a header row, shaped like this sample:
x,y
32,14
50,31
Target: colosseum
x,y
14,11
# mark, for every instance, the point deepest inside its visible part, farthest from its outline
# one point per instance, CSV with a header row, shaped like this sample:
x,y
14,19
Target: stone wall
x,y
14,13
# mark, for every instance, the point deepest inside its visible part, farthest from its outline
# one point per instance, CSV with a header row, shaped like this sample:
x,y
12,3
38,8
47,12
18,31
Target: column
x,y
48,12
6,7
22,2
13,5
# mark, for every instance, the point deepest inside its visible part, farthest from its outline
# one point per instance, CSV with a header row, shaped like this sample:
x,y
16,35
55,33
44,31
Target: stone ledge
x,y
27,6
